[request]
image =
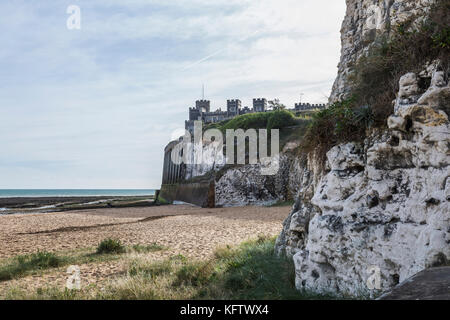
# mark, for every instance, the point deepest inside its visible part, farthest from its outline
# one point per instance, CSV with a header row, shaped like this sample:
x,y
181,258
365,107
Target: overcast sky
x,y
94,108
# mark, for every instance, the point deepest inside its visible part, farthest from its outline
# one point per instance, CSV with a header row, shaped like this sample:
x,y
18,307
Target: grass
x,y
23,264
107,250
109,246
341,122
249,271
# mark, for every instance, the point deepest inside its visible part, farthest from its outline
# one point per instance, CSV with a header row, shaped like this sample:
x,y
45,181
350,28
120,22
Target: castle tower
x,y
260,105
233,107
203,105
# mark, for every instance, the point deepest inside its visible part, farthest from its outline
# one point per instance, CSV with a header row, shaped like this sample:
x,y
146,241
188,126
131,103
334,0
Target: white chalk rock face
x,y
384,204
248,185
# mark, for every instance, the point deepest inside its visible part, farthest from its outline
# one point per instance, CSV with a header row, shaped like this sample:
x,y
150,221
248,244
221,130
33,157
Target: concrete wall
x,y
199,193
172,173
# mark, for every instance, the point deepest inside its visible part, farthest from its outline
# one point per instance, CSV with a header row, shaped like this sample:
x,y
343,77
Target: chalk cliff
x,y
378,207
364,22
384,204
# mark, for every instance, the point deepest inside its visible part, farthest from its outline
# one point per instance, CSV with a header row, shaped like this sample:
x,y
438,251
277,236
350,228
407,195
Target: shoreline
x,y
27,205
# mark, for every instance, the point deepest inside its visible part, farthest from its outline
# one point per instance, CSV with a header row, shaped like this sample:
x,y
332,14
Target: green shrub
x,y
280,119
109,246
262,120
20,265
248,121
253,272
40,260
194,274
342,121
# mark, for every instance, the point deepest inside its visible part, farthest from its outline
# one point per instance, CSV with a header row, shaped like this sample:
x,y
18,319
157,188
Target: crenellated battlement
x,y
309,106
202,110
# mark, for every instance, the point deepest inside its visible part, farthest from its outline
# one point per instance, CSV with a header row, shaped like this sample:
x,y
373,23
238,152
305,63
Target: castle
x,y
202,110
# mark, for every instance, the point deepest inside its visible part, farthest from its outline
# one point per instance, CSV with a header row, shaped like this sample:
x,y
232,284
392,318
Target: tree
x,y
275,104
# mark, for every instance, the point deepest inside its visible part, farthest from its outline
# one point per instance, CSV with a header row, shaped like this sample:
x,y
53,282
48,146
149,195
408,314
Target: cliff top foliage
x,y
374,82
291,127
261,120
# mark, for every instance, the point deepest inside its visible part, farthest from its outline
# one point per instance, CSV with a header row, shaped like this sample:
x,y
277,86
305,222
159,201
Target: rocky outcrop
x,y
365,21
245,185
381,205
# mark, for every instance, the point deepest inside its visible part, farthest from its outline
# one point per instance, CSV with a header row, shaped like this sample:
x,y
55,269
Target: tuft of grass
x,y
252,272
23,264
148,269
196,274
110,246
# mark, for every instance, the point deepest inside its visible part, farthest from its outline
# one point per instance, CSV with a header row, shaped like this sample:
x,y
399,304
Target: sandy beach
x,y
183,229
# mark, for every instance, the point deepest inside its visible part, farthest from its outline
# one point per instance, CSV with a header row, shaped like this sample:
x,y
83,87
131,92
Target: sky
x,y
94,107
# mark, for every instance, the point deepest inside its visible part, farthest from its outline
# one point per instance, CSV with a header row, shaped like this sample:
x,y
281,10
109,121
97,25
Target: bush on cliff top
x,y
375,79
341,121
262,120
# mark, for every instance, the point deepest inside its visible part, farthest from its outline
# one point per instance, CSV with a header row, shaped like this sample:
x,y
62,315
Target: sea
x,y
37,193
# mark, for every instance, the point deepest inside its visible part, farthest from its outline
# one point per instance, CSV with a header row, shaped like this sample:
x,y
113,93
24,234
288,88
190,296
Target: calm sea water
x,y
9,193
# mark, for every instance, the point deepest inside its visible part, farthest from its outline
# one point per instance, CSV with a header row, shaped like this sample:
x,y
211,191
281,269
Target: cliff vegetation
x,y
408,47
